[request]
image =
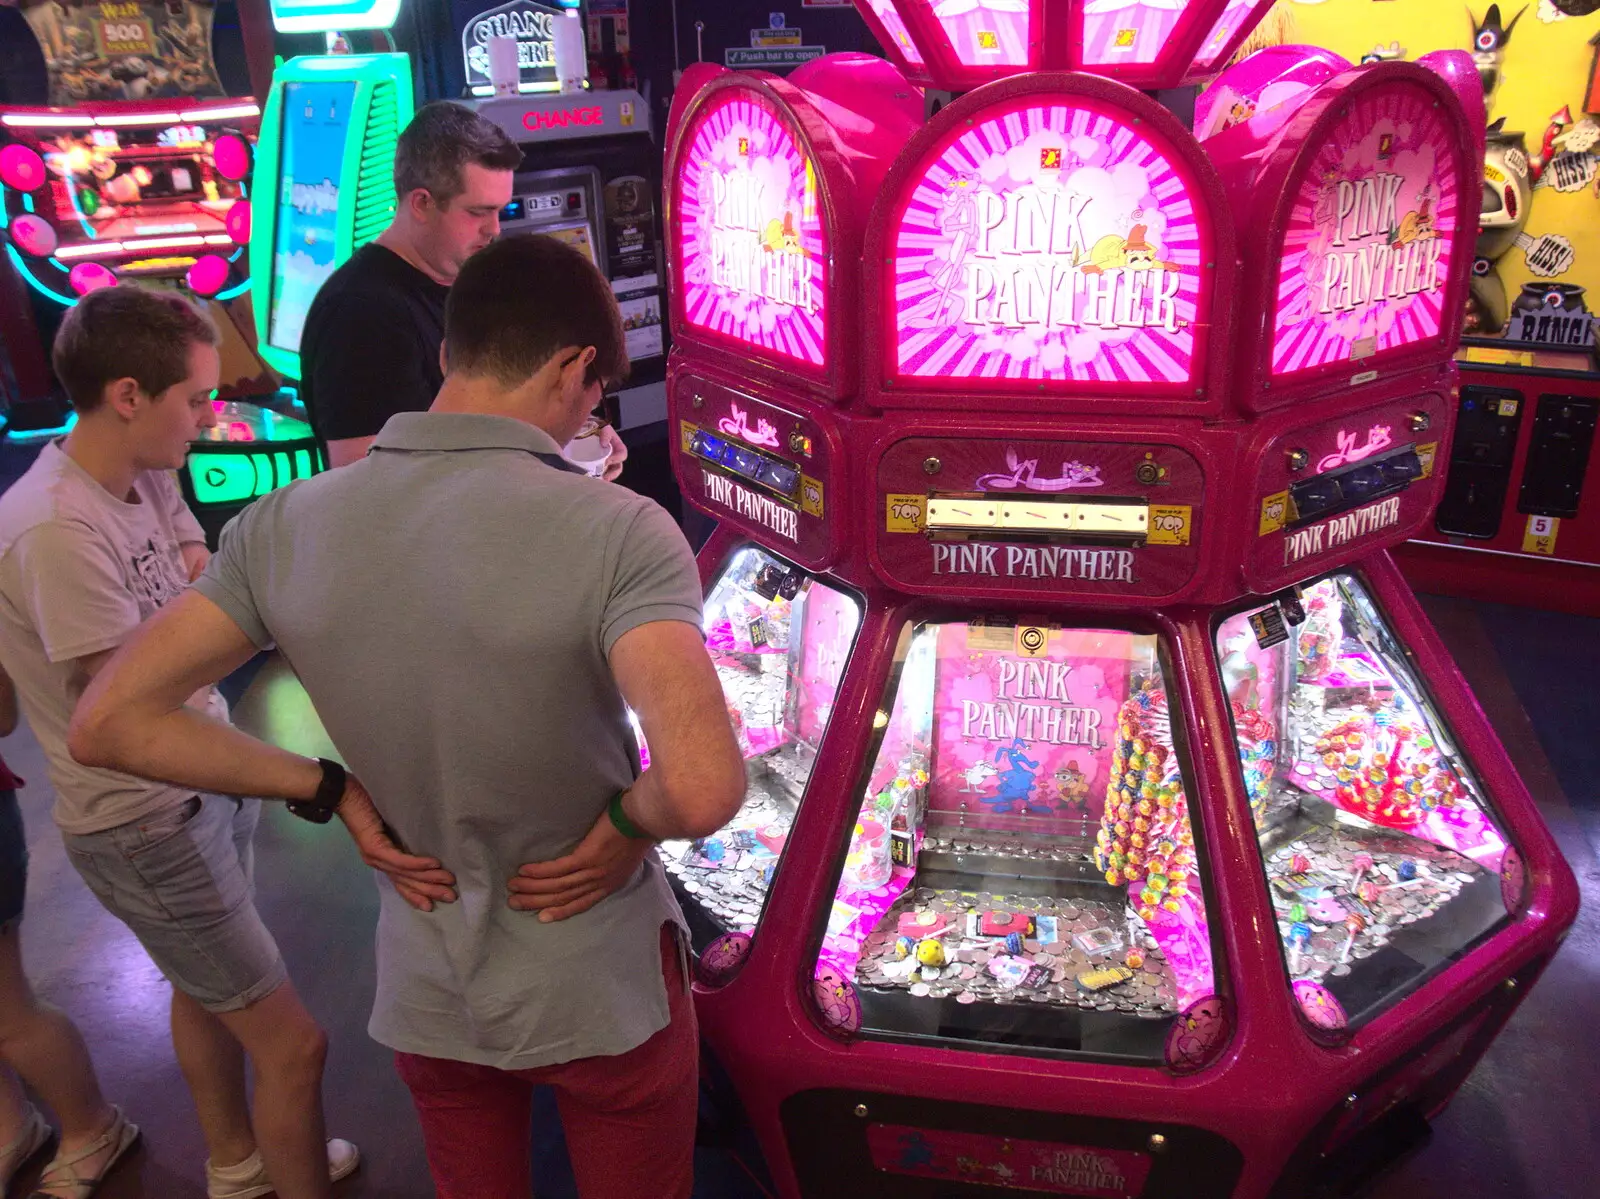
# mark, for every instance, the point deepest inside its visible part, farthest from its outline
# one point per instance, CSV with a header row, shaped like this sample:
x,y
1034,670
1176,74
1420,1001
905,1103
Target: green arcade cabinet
x,y
324,187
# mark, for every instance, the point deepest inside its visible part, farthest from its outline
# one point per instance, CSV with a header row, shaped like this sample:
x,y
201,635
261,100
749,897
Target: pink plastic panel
x,y
1228,24
753,254
984,33
1366,254
895,27
1128,31
1049,242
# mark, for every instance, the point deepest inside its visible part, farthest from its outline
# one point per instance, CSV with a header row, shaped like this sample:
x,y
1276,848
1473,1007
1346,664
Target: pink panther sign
x,y
1020,736
1117,31
1010,1163
1233,16
1049,242
985,33
753,255
895,26
1366,253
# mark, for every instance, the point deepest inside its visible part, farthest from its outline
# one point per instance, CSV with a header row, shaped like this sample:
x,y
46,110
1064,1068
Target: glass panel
x,y
780,640
1382,856
1023,867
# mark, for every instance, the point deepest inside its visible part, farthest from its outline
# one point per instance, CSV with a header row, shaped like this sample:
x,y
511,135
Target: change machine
x,y
1117,825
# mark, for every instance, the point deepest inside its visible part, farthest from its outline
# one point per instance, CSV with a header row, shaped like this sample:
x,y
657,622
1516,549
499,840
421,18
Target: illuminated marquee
x,y
753,257
1132,31
1050,242
895,26
985,33
1367,247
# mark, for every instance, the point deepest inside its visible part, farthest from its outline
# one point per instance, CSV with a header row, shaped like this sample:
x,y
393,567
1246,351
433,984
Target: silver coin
x,y
1342,969
966,997
920,990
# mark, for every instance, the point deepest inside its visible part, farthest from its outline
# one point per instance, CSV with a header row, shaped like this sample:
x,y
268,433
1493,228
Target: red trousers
x,y
629,1119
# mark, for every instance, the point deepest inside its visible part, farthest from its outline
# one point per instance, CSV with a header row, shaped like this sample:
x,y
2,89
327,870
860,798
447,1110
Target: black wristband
x,y
330,793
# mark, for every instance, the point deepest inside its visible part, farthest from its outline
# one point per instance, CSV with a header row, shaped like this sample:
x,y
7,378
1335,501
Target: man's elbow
x,y
92,737
708,801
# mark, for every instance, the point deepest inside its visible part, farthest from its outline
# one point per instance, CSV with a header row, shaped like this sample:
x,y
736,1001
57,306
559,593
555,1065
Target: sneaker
x,y
34,1138
248,1180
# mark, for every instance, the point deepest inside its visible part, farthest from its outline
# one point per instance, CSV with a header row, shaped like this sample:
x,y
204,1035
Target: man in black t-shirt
x,y
371,341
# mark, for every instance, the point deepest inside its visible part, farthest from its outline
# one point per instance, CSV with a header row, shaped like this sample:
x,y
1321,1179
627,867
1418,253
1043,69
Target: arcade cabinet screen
x,y
1023,868
316,122
780,640
1381,852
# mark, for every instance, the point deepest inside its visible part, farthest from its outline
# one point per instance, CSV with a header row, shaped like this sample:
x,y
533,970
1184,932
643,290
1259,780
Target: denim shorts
x,y
182,879
13,861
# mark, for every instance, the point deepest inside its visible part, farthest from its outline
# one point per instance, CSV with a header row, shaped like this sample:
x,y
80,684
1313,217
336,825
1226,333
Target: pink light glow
x,y
1378,438
90,276
885,11
34,235
1128,31
237,222
1049,242
1227,25
985,33
208,275
21,167
754,255
1023,473
1368,244
737,426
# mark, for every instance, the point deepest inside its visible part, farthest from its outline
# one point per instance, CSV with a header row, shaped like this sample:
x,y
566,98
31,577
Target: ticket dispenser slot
x,y
1558,455
1481,458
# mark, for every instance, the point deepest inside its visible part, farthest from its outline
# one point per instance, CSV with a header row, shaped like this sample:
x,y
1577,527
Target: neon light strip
x,y
72,194
140,118
526,89
28,437
45,120
222,114
233,292
33,281
180,227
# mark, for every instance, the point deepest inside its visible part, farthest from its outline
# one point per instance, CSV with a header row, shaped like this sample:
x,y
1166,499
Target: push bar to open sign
x,y
951,515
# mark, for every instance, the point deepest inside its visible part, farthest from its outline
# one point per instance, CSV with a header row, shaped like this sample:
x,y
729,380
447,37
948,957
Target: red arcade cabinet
x,y
135,166
1117,824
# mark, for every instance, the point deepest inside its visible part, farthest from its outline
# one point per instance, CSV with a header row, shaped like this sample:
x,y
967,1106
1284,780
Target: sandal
x,y
61,1179
34,1139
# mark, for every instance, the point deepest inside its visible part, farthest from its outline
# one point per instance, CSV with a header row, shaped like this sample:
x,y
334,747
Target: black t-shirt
x,y
371,345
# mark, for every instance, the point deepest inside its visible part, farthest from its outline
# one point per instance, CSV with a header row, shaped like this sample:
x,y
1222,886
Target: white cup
x,y
588,454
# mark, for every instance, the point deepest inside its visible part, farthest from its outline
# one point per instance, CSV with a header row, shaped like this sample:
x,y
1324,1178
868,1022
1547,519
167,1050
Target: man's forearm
x,y
653,811
190,749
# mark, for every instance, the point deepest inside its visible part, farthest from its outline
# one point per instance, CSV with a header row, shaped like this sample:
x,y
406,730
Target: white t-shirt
x,y
79,570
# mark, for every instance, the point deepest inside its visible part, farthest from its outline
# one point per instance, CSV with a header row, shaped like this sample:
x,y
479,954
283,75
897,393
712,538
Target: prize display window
x,y
779,639
1381,852
1023,871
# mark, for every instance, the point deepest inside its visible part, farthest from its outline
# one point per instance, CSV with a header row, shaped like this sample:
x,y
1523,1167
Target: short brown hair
x,y
524,298
124,332
441,139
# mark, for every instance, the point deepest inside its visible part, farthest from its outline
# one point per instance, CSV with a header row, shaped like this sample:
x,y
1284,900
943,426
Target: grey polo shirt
x,y
449,603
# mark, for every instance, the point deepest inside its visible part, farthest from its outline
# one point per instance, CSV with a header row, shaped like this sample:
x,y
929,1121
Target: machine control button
x,y
1147,473
931,466
1299,459
1420,422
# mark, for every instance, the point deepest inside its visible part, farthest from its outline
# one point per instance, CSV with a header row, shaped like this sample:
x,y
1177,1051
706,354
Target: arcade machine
x,y
137,167
590,174
325,164
1117,824
1519,522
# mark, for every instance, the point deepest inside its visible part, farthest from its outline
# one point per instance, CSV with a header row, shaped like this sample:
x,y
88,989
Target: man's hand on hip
x,y
603,862
421,882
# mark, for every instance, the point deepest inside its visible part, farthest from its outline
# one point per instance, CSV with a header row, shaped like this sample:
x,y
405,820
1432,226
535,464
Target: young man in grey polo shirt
x,y
473,618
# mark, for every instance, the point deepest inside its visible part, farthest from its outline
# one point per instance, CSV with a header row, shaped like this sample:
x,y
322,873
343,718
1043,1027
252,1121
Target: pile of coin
x,y
985,969
958,839
1340,897
727,875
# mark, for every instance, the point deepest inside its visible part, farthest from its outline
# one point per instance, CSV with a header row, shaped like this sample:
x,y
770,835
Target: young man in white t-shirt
x,y
94,539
